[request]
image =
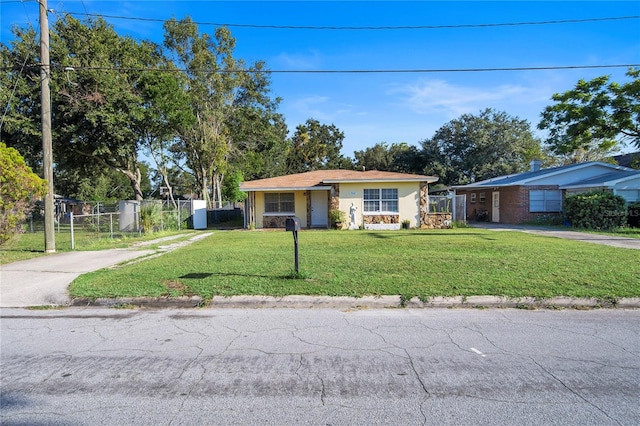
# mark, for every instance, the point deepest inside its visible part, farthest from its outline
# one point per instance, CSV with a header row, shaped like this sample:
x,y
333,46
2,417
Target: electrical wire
x,y
369,28
354,71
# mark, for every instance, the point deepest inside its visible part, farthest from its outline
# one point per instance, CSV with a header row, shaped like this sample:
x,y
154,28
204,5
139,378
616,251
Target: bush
x,y
150,217
19,188
633,215
595,210
337,218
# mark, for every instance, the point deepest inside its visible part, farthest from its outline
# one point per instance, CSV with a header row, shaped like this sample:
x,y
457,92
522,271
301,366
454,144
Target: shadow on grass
x,y
392,234
197,275
22,250
203,275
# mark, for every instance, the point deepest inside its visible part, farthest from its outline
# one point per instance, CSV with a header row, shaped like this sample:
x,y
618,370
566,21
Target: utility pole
x,y
47,151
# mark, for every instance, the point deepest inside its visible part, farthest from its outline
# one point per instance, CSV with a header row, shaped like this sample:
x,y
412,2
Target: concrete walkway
x,y
608,240
44,280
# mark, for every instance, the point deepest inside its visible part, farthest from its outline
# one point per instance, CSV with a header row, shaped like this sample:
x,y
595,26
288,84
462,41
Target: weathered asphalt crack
x,y
323,391
573,391
194,385
549,373
422,384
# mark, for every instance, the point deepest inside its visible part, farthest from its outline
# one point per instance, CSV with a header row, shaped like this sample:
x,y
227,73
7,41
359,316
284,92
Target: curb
x,y
368,302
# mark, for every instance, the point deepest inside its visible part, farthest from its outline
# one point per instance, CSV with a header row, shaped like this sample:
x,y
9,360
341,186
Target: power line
x,y
378,71
352,71
369,28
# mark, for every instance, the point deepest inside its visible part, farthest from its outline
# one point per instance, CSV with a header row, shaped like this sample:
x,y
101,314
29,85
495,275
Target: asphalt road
x,y
82,366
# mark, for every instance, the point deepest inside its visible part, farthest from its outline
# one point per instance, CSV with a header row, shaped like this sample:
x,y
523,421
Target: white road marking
x,y
478,352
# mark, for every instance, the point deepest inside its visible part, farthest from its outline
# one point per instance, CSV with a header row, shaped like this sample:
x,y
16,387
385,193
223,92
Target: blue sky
x,y
395,107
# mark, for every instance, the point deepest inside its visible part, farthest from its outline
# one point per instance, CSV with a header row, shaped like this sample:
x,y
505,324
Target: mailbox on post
x,y
293,224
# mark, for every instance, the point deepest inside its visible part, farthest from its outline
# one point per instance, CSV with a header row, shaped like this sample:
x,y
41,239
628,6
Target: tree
x,y
97,105
19,188
399,157
101,111
478,147
315,146
20,96
220,90
231,187
595,115
167,110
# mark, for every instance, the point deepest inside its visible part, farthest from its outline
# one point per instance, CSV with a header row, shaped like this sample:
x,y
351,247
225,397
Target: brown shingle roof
x,y
325,177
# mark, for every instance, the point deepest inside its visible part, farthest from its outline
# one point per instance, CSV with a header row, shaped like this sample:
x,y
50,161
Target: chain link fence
x,y
98,220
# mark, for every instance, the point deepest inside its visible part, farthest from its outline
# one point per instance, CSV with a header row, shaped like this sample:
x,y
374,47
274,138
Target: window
x,y
473,197
482,197
279,202
545,200
380,200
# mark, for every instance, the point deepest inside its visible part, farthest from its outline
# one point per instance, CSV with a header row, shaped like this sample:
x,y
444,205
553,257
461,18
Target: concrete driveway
x,y
608,240
44,280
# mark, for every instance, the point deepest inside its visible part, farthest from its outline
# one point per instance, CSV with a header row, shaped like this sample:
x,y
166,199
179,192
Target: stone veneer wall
x,y
432,220
335,197
424,204
381,218
437,221
274,221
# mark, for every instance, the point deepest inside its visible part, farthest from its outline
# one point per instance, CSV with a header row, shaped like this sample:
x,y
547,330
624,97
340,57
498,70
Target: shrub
x,y
595,210
19,188
633,215
337,218
150,217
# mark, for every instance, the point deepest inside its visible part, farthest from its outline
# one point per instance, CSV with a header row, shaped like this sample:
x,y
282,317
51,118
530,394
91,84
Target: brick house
x,y
369,199
524,197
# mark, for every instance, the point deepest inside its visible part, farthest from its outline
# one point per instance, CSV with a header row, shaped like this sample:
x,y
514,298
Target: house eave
x,y
287,188
382,180
471,186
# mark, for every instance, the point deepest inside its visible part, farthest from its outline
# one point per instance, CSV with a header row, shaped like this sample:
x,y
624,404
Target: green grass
x,y
30,245
457,262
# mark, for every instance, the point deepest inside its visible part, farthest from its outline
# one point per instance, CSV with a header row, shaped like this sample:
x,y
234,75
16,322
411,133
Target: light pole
x,y
47,151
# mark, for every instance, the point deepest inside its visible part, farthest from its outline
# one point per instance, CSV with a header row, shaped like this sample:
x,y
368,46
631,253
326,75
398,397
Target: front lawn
x,y
456,262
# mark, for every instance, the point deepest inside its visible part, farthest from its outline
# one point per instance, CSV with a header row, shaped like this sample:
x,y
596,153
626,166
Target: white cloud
x,y
310,60
318,107
439,96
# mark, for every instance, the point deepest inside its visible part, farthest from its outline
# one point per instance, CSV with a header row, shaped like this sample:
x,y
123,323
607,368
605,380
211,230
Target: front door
x,y
319,209
495,211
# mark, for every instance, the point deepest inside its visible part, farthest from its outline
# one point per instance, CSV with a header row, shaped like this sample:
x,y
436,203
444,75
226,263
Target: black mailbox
x,y
292,224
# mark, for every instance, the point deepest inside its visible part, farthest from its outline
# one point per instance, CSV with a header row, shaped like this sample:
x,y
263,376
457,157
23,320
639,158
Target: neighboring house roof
x,y
609,180
321,179
628,160
559,175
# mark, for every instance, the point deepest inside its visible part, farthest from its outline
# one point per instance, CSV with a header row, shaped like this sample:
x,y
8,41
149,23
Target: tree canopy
x,y
230,103
188,104
99,111
477,147
397,157
315,146
596,115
